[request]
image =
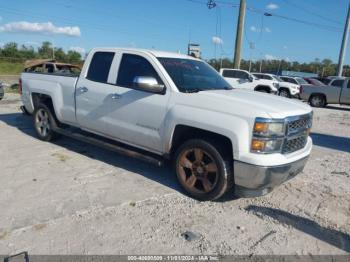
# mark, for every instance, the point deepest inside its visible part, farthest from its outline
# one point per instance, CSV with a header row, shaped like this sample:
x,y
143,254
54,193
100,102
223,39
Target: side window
x,y
293,81
100,66
338,83
49,68
259,76
348,83
268,77
132,66
229,73
242,75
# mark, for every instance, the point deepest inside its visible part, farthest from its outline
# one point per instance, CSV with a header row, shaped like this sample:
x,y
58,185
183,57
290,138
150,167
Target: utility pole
x,y
344,45
239,35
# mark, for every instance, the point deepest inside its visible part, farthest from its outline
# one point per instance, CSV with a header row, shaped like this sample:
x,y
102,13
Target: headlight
x,y
268,135
267,129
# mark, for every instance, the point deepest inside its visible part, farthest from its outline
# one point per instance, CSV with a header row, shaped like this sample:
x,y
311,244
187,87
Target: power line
x,y
269,14
311,12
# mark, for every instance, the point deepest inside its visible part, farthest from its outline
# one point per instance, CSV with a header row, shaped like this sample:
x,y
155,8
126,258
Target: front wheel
x,y
202,170
44,122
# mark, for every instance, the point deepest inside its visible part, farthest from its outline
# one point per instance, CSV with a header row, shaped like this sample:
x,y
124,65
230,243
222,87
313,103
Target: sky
x,y
171,24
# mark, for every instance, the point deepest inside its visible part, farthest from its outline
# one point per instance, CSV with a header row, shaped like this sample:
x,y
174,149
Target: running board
x,y
111,145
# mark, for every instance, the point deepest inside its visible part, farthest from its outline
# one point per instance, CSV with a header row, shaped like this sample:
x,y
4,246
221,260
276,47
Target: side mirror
x,y
250,78
148,84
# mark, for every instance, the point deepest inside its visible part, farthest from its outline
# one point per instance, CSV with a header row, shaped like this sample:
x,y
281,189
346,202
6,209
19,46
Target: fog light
x,y
258,145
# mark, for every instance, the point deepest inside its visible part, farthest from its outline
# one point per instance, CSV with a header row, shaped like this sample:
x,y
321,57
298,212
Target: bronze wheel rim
x,y
197,171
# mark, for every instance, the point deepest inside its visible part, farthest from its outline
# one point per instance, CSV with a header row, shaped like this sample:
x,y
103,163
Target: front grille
x,y
297,133
294,144
298,125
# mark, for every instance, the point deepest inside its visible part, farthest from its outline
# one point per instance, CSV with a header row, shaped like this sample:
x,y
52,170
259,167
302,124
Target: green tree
x,y
45,51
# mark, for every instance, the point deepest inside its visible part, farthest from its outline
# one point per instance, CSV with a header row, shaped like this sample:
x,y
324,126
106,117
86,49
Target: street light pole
x,y
344,45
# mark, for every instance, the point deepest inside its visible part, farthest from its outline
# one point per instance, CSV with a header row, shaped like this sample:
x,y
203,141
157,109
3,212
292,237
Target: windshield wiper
x,y
194,90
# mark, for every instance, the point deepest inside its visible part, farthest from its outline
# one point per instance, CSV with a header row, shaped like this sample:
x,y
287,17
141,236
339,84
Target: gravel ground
x,y
68,197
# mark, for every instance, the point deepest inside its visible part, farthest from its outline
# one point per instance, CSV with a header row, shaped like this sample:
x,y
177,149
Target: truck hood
x,y
253,104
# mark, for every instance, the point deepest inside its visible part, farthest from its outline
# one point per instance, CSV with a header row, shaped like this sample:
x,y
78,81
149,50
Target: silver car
x,y
323,95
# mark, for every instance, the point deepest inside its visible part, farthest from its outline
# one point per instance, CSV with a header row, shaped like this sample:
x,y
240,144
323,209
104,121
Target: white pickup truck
x,y
245,80
156,105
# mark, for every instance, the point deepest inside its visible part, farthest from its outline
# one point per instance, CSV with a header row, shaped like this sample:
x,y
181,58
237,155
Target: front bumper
x,y
252,180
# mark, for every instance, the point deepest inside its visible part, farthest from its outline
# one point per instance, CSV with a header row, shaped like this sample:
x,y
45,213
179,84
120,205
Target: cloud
x,y
270,57
272,6
217,40
253,28
78,49
285,47
2,45
258,30
40,28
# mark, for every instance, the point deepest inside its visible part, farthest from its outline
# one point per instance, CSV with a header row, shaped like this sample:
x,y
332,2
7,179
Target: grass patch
x,y
9,68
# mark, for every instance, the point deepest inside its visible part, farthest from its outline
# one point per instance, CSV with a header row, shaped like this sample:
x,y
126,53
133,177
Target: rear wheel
x,y
44,123
318,101
284,93
202,170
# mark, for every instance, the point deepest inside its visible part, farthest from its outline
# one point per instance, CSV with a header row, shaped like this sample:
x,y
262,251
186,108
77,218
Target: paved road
x,y
71,198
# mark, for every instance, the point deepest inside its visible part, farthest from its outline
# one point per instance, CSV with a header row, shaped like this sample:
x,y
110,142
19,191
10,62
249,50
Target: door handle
x,y
83,89
116,96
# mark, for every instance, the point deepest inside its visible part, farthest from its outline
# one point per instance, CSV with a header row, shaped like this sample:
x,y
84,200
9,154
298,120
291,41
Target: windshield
x,y
277,78
317,82
192,75
301,81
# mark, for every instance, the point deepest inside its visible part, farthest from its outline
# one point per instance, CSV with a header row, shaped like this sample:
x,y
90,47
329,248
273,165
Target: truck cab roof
x,y
152,52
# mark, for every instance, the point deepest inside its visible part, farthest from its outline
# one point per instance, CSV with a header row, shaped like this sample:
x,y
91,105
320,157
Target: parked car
x,y
321,96
285,89
245,80
313,81
155,105
2,91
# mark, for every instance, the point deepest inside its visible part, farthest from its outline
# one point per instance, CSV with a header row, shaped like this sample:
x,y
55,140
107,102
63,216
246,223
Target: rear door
x,y
93,93
345,94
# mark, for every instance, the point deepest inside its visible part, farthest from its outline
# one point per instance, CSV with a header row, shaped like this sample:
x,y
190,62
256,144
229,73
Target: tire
x,y
203,170
43,123
317,101
284,93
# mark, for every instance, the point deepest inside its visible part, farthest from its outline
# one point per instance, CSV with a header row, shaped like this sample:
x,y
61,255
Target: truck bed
x,y
61,88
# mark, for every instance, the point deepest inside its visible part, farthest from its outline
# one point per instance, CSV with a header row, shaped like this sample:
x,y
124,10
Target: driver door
x,y
137,117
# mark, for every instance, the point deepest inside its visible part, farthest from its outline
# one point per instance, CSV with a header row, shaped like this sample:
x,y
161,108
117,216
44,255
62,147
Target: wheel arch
x,y
183,133
263,87
39,98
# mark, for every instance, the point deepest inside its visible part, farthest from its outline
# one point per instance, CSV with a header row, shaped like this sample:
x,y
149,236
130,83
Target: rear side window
x,y
229,73
259,76
338,83
100,66
133,66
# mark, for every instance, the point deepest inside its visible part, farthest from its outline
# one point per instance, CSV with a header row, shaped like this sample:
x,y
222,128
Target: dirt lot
x,y
68,197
